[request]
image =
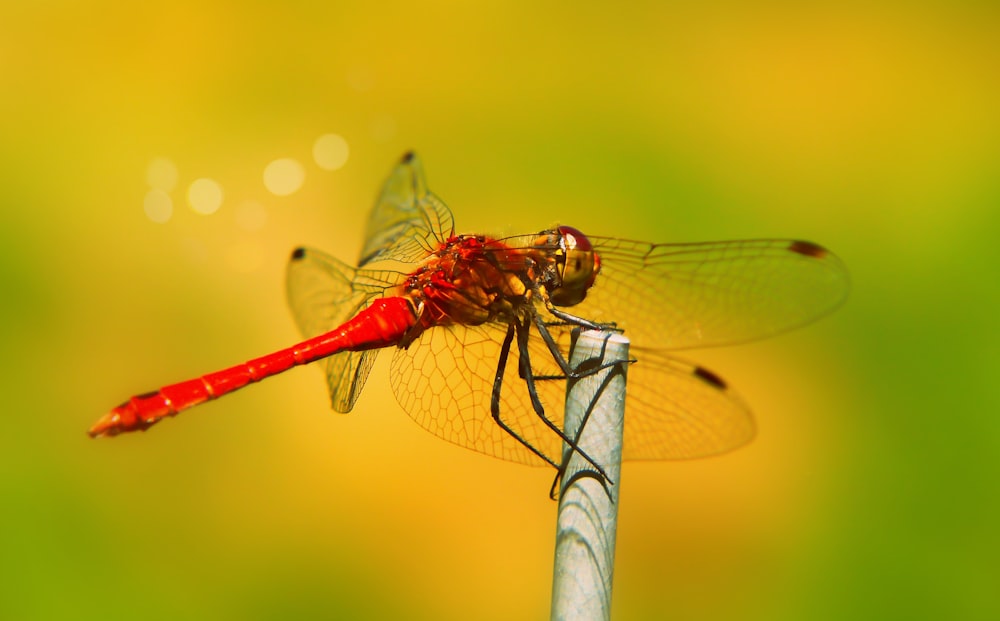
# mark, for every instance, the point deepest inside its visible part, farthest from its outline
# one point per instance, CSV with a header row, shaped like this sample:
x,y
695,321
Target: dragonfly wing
x,y
679,410
346,374
444,381
323,293
406,225
673,409
408,221
680,296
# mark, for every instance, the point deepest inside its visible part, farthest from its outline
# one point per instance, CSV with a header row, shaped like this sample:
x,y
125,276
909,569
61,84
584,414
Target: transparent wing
x,y
679,410
408,221
321,291
444,381
673,409
680,296
323,294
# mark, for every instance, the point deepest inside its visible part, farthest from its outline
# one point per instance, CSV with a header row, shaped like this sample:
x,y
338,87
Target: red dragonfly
x,y
456,308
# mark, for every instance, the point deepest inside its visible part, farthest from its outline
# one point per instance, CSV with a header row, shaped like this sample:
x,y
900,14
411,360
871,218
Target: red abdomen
x,y
386,322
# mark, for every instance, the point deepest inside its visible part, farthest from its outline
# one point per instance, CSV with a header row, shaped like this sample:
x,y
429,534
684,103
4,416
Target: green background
x,y
872,491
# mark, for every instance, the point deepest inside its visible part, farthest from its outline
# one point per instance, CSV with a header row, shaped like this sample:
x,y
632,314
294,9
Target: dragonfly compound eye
x,y
578,267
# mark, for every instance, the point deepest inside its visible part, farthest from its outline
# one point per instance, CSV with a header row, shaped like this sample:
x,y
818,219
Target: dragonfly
x,y
481,327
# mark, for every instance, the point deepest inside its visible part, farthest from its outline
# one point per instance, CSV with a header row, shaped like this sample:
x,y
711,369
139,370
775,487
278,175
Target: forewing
x,y
673,409
408,221
678,410
680,296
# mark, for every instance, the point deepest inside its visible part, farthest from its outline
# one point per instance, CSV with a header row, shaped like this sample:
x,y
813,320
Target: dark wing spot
x,y
407,157
298,254
710,378
808,249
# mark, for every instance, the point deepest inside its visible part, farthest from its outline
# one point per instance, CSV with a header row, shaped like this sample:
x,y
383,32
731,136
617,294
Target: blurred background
x,y
160,161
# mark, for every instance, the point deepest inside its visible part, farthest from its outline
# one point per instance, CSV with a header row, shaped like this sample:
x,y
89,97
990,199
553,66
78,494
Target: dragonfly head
x,y
578,266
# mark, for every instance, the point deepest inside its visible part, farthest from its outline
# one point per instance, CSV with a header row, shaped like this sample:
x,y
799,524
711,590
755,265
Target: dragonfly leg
x,y
570,319
495,398
571,374
560,359
582,474
579,322
523,330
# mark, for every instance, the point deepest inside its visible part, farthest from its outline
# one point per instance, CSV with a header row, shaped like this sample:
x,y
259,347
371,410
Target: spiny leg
x,y
495,397
523,332
568,373
615,370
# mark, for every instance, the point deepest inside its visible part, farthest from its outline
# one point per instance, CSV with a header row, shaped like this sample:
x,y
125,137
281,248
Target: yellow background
x,y
873,490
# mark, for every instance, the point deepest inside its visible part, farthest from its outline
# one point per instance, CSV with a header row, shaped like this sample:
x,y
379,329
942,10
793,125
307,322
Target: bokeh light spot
x,y
330,151
284,176
205,196
158,205
251,216
161,174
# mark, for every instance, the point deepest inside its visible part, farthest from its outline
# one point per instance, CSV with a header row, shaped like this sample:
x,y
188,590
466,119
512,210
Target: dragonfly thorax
x,y
470,280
